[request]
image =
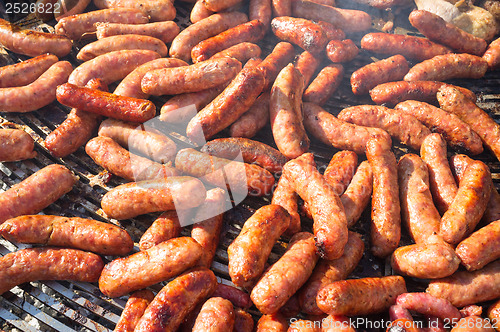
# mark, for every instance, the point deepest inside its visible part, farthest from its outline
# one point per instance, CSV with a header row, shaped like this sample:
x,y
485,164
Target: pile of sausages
x,y
219,86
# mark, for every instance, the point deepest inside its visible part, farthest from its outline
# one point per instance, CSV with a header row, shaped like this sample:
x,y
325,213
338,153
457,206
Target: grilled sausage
x,y
241,52
227,107
411,47
156,10
243,321
341,50
307,63
251,32
242,178
330,224
85,234
76,129
237,297
425,260
179,297
260,10
340,134
299,31
165,227
272,323
248,253
369,76
492,54
324,85
429,305
37,94
417,208
132,199
111,156
328,271
111,67
464,288
134,309
360,296
166,31
493,313
216,314
357,195
148,267
438,30
219,5
16,144
386,219
395,92
252,152
199,12
456,132
32,43
285,196
287,275
203,29
36,192
404,127
25,72
82,25
340,170
105,103
48,264
469,204
253,120
481,247
286,113
448,66
280,56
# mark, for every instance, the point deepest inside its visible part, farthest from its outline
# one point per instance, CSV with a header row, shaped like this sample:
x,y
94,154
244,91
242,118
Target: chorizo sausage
x,y
253,120
165,227
357,195
272,323
16,144
307,63
260,10
216,315
237,297
339,51
134,309
241,52
324,85
285,196
299,31
280,56
492,54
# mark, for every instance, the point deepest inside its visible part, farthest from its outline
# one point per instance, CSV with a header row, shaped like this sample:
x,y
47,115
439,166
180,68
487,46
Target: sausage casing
x,y
216,315
134,309
16,144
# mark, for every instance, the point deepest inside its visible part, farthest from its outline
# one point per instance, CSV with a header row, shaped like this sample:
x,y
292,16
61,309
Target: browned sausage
x,y
272,323
341,50
208,224
340,170
369,76
165,227
340,134
37,94
469,204
242,178
196,77
82,25
243,321
252,152
199,12
156,10
218,5
346,19
456,132
328,271
429,305
481,247
494,313
360,296
251,32
216,315
36,192
299,31
425,260
331,31
453,101
307,63
357,195
287,275
241,52
396,92
406,128
237,297
285,196
324,85
105,103
330,224
386,219
411,47
286,113
464,288
111,67
16,144
281,7
260,10
492,54
179,297
383,4
417,208
85,234
448,66
473,324
148,267
280,56
48,264
76,129
111,156
248,253
208,27
438,30
253,120
31,42
25,72
134,309
227,107
132,199
165,31
139,138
